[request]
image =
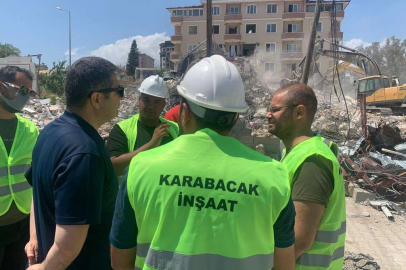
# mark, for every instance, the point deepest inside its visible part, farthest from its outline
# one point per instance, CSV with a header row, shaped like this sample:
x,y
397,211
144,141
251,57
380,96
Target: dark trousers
x,y
13,239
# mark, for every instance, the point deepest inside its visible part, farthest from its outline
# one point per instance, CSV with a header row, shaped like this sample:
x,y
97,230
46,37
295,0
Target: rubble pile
x,y
359,261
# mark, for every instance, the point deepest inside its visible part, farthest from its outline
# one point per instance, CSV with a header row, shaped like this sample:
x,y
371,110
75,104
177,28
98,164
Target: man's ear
x,y
96,100
186,113
300,112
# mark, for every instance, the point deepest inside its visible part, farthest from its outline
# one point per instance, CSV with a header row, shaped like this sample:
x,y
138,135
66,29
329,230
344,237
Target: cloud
x,y
356,42
118,51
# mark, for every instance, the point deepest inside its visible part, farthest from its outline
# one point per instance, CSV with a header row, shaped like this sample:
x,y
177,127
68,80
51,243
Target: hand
x,y
159,132
35,267
31,249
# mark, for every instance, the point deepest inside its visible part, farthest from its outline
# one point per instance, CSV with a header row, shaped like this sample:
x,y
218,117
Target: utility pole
x,y
312,40
209,28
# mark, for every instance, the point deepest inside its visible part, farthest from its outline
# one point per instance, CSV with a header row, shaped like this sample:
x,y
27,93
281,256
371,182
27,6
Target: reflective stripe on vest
x,y
319,260
327,250
16,188
330,236
171,260
13,165
205,236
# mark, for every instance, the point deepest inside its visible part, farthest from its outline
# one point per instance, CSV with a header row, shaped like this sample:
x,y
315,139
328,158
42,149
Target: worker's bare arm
x,y
308,216
69,240
123,259
284,258
122,162
31,249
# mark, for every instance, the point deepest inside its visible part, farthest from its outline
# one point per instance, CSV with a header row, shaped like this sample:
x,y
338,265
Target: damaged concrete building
x,y
279,30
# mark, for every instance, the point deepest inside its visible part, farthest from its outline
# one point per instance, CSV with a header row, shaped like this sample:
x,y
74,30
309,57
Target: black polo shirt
x,y
74,183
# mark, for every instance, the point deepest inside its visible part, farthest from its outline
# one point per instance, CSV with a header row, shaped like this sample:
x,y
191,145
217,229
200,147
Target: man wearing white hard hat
x,y
205,201
142,131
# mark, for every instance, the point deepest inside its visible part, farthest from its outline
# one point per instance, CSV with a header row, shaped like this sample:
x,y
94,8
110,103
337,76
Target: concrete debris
x,y
360,261
366,214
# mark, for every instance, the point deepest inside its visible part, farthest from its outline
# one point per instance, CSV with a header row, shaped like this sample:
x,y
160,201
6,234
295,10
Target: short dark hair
x,y
86,75
299,93
8,73
217,115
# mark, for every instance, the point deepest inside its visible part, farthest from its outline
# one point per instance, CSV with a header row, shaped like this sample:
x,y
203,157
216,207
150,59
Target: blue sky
x,y
107,27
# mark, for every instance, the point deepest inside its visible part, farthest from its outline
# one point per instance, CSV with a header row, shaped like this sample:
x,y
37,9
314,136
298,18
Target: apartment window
x,y
215,11
320,27
251,28
292,28
216,29
328,7
196,12
234,11
339,6
191,47
271,28
292,47
233,29
251,9
272,8
293,8
270,47
310,8
270,67
179,13
192,29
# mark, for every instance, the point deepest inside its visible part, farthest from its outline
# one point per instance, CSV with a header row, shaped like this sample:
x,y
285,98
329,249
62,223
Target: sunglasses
x,y
18,90
119,90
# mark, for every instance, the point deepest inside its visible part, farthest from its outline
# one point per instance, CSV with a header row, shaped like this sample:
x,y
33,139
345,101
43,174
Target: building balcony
x,y
292,36
176,39
232,37
293,16
175,56
176,21
230,17
289,55
340,35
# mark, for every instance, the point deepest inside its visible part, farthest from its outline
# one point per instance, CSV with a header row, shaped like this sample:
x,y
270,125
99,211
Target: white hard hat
x,y
154,86
214,83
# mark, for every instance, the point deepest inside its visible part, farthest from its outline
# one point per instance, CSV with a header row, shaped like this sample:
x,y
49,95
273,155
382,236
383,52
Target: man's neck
x,y
149,123
87,116
297,137
5,114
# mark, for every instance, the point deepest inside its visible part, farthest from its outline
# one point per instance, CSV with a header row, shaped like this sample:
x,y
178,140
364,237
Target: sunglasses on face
x,y
119,90
18,90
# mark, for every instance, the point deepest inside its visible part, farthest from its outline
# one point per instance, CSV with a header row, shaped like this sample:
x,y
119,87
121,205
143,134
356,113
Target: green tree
x,y
390,56
7,49
55,80
132,61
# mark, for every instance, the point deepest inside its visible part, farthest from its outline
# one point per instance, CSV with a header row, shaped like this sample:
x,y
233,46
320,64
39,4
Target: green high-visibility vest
x,y
205,201
327,251
129,127
332,145
13,185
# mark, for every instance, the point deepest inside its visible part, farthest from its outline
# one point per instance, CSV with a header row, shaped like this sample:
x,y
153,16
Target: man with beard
x,y
316,181
142,131
17,139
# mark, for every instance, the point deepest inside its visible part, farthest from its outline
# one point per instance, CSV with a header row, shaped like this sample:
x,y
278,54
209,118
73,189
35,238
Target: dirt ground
x,y
376,236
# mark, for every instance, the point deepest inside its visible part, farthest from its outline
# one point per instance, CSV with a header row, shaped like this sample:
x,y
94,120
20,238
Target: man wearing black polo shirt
x,y
74,184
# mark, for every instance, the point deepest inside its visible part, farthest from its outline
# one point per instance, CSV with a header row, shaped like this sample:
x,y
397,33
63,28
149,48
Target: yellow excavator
x,y
381,92
376,91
